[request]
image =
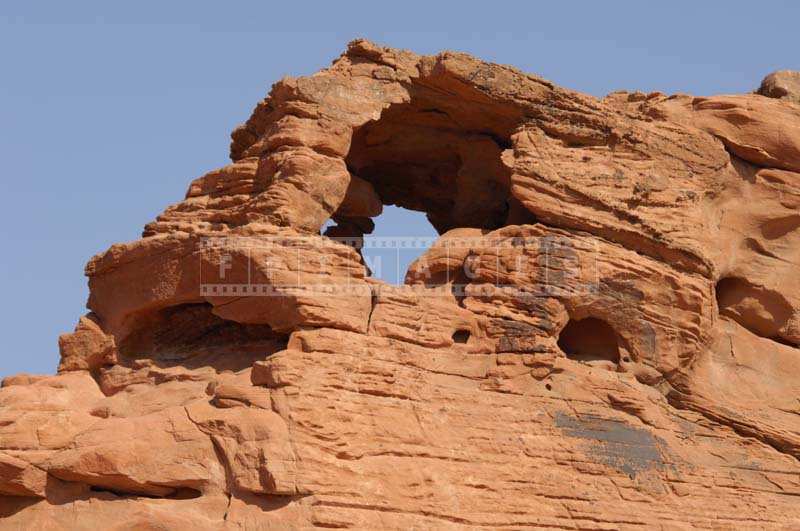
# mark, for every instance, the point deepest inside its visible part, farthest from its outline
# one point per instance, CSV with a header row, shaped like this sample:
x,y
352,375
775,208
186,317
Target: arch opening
x,y
436,154
388,243
400,237
440,155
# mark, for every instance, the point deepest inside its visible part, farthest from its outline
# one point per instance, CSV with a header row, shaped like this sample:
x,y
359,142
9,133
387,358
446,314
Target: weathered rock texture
x,y
607,334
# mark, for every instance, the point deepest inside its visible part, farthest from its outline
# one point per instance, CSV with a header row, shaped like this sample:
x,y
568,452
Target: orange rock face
x,y
606,335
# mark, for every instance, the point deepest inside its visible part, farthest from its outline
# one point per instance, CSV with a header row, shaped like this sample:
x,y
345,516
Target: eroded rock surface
x,y
606,335
783,84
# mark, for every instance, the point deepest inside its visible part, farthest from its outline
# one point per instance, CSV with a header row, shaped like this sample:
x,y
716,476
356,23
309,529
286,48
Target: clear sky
x,y
108,111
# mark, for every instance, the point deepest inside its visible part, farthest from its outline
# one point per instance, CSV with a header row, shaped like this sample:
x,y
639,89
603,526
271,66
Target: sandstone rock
x,y
20,478
161,454
87,348
606,335
783,84
360,200
759,130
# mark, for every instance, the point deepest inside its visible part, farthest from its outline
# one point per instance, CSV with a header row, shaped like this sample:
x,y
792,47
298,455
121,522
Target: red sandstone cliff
x,y
606,335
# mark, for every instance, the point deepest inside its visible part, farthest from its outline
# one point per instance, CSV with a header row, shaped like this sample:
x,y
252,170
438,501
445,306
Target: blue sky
x,y
108,111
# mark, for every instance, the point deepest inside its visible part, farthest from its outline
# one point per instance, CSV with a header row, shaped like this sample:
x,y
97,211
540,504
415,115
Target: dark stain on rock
x,y
617,444
622,290
648,339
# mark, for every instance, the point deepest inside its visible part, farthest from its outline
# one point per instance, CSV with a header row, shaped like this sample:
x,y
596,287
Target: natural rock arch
x,y
433,156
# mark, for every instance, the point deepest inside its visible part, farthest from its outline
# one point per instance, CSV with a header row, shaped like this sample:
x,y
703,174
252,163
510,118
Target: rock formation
x,y
606,335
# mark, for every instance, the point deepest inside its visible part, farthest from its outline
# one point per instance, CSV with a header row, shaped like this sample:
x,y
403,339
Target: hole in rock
x,y
589,340
439,156
762,311
179,493
461,336
399,238
389,243
190,335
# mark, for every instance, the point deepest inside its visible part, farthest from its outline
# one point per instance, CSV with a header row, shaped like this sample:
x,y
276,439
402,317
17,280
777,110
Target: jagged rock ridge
x,y
606,335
